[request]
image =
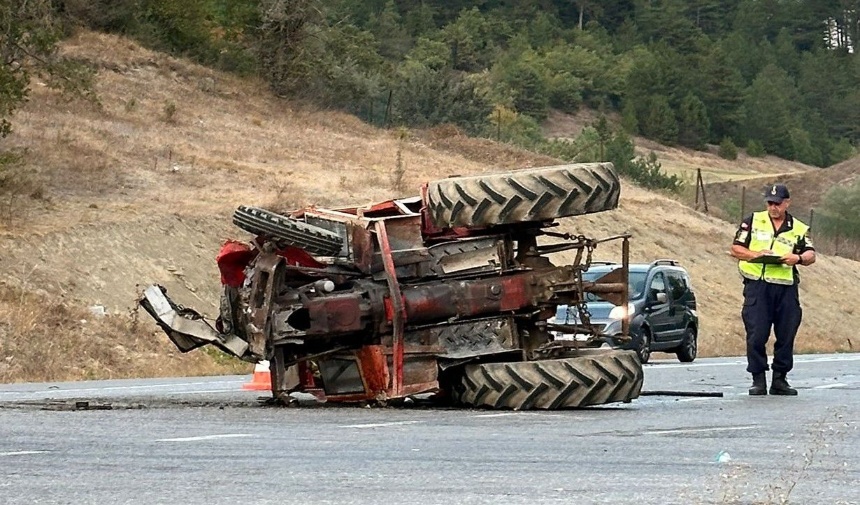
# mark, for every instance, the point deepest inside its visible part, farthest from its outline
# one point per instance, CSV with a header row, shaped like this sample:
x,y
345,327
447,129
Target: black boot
x,y
780,386
759,385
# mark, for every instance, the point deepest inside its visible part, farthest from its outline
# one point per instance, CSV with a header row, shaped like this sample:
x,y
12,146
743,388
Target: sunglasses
x,y
773,204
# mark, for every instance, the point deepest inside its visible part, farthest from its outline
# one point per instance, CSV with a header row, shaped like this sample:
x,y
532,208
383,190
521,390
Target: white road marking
x,y
21,453
75,391
797,361
700,430
659,366
205,437
528,413
379,425
830,386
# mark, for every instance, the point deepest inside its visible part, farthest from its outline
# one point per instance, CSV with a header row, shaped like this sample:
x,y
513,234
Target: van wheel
x,y
643,349
689,346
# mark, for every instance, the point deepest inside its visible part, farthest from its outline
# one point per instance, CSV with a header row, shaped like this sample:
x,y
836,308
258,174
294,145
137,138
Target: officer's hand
x,y
765,252
790,259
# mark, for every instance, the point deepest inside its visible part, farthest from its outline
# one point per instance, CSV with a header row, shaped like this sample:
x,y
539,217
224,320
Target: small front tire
x,y
689,346
643,347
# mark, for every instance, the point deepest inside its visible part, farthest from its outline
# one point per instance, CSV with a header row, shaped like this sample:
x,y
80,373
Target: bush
x,y
839,210
595,145
732,208
647,172
628,118
660,123
841,151
425,97
528,88
728,149
755,148
694,127
565,92
510,126
803,148
583,149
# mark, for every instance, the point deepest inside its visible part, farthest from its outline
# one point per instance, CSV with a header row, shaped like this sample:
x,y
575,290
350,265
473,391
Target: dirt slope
x,y
808,188
140,188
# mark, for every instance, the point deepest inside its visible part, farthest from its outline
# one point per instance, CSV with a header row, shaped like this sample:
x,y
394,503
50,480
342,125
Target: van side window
x,y
657,286
677,285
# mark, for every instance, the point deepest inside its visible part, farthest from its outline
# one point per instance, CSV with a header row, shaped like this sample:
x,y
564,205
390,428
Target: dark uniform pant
x,y
767,305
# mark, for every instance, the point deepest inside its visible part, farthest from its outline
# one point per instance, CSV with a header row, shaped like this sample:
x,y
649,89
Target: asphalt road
x,y
205,441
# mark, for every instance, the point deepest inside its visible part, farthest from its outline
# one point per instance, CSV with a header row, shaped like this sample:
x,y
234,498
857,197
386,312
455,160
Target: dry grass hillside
x,y
140,187
807,188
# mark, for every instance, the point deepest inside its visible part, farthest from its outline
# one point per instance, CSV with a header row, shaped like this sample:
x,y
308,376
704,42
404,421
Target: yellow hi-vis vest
x,y
763,237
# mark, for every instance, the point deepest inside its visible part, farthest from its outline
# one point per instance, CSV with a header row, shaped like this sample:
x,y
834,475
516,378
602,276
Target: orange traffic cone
x,y
262,378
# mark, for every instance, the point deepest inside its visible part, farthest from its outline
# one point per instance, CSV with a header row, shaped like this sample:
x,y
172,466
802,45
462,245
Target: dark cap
x,y
776,193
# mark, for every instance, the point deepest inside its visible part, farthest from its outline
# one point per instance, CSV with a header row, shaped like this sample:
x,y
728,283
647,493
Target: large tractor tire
x,y
605,377
537,194
313,239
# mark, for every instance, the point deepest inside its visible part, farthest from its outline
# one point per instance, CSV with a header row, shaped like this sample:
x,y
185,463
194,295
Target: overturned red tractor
x,y
447,293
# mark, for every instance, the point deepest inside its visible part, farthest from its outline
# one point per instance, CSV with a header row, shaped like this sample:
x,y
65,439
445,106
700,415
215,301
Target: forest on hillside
x,y
775,77
778,77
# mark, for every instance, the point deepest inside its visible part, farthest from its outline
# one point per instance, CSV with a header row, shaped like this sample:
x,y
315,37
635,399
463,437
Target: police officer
x,y
770,245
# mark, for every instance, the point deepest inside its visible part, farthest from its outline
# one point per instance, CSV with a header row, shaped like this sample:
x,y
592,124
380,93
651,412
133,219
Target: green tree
x,y
420,20
747,55
755,149
424,96
838,213
694,126
827,82
770,114
841,151
432,53
471,41
666,21
29,33
802,148
654,72
722,91
524,79
543,30
785,53
116,16
713,17
177,27
349,73
728,149
628,118
660,123
387,27
288,47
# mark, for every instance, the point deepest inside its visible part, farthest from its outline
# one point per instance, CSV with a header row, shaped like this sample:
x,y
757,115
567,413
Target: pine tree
x,y
694,126
29,33
722,91
286,47
387,27
769,105
660,123
529,88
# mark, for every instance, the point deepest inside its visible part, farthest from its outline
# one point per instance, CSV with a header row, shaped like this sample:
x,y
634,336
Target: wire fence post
x,y
388,108
743,201
700,186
